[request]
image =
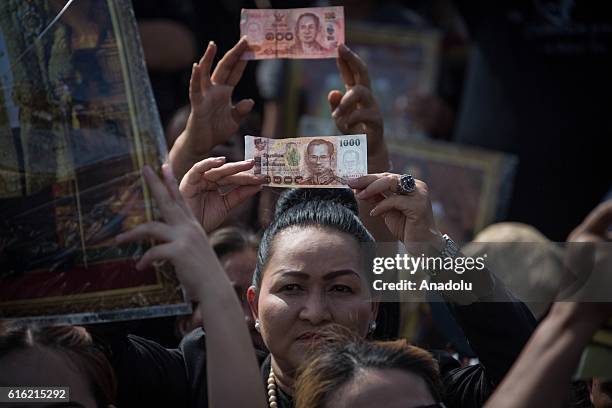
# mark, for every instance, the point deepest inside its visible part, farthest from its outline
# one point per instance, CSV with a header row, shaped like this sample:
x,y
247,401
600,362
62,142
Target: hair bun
x,y
293,197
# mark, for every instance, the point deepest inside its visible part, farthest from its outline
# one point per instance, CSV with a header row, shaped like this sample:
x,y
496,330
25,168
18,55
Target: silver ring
x,y
406,184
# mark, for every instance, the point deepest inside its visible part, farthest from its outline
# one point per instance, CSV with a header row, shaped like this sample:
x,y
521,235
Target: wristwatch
x,y
447,249
450,248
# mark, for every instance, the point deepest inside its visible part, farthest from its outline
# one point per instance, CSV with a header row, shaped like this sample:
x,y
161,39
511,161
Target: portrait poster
x,y
77,124
469,187
401,63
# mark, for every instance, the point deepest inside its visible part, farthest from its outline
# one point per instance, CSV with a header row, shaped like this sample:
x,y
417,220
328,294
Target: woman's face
x,y
314,277
374,387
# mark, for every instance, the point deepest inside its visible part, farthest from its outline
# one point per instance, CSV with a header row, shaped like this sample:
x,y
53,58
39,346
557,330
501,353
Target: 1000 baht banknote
x,y
303,162
292,33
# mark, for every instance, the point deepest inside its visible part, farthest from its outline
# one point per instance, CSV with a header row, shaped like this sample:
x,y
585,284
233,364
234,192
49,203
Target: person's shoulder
x,y
148,374
142,349
193,342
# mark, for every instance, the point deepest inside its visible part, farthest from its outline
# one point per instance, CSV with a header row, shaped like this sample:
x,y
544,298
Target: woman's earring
x,y
372,326
257,325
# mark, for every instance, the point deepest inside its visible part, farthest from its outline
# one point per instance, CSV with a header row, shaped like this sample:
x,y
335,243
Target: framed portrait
x,y
401,63
77,124
469,187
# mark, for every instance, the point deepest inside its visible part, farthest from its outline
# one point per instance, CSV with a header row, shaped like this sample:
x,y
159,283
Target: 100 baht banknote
x,y
305,162
312,32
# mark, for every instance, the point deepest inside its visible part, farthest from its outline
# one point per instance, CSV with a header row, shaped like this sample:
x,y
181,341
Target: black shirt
x,y
153,376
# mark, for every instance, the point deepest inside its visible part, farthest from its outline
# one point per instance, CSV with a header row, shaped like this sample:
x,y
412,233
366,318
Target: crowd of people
x,y
287,318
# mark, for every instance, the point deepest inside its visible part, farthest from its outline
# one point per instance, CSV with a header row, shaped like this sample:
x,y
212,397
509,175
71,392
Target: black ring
x,y
406,184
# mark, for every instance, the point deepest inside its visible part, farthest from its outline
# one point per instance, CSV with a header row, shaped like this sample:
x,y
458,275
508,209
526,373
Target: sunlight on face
x,y
313,278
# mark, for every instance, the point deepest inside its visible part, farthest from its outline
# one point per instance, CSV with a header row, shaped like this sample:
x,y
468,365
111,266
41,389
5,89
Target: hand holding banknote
x,y
304,162
202,186
409,217
293,33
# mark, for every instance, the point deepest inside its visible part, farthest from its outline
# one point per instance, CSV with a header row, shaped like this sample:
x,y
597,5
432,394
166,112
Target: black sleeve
x,y
497,330
148,375
193,348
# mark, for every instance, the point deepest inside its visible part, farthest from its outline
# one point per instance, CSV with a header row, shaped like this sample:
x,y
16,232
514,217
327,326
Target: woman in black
x,y
309,272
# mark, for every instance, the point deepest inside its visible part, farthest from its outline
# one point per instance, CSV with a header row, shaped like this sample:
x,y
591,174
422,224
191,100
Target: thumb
x,y
334,97
597,222
242,108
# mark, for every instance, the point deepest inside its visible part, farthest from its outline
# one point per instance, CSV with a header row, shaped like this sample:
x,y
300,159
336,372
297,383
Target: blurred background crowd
x,y
528,78
523,81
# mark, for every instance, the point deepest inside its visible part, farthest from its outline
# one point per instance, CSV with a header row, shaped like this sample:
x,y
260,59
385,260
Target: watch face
x,y
451,249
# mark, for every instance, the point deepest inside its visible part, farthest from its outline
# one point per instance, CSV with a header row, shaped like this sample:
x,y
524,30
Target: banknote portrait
x,y
351,161
256,35
261,145
255,32
320,156
307,30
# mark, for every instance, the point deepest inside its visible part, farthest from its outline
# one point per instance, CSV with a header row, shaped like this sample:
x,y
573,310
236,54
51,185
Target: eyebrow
x,y
327,277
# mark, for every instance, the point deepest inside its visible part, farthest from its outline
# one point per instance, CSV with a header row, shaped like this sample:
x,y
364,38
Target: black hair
x,y
331,208
231,239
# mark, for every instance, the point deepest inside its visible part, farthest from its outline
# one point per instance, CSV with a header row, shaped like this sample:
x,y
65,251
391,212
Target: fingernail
x,y
335,113
220,158
211,43
251,161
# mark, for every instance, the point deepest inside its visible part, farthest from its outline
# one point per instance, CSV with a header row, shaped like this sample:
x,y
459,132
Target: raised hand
x,y
356,110
595,226
409,217
181,238
182,241
213,118
201,189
